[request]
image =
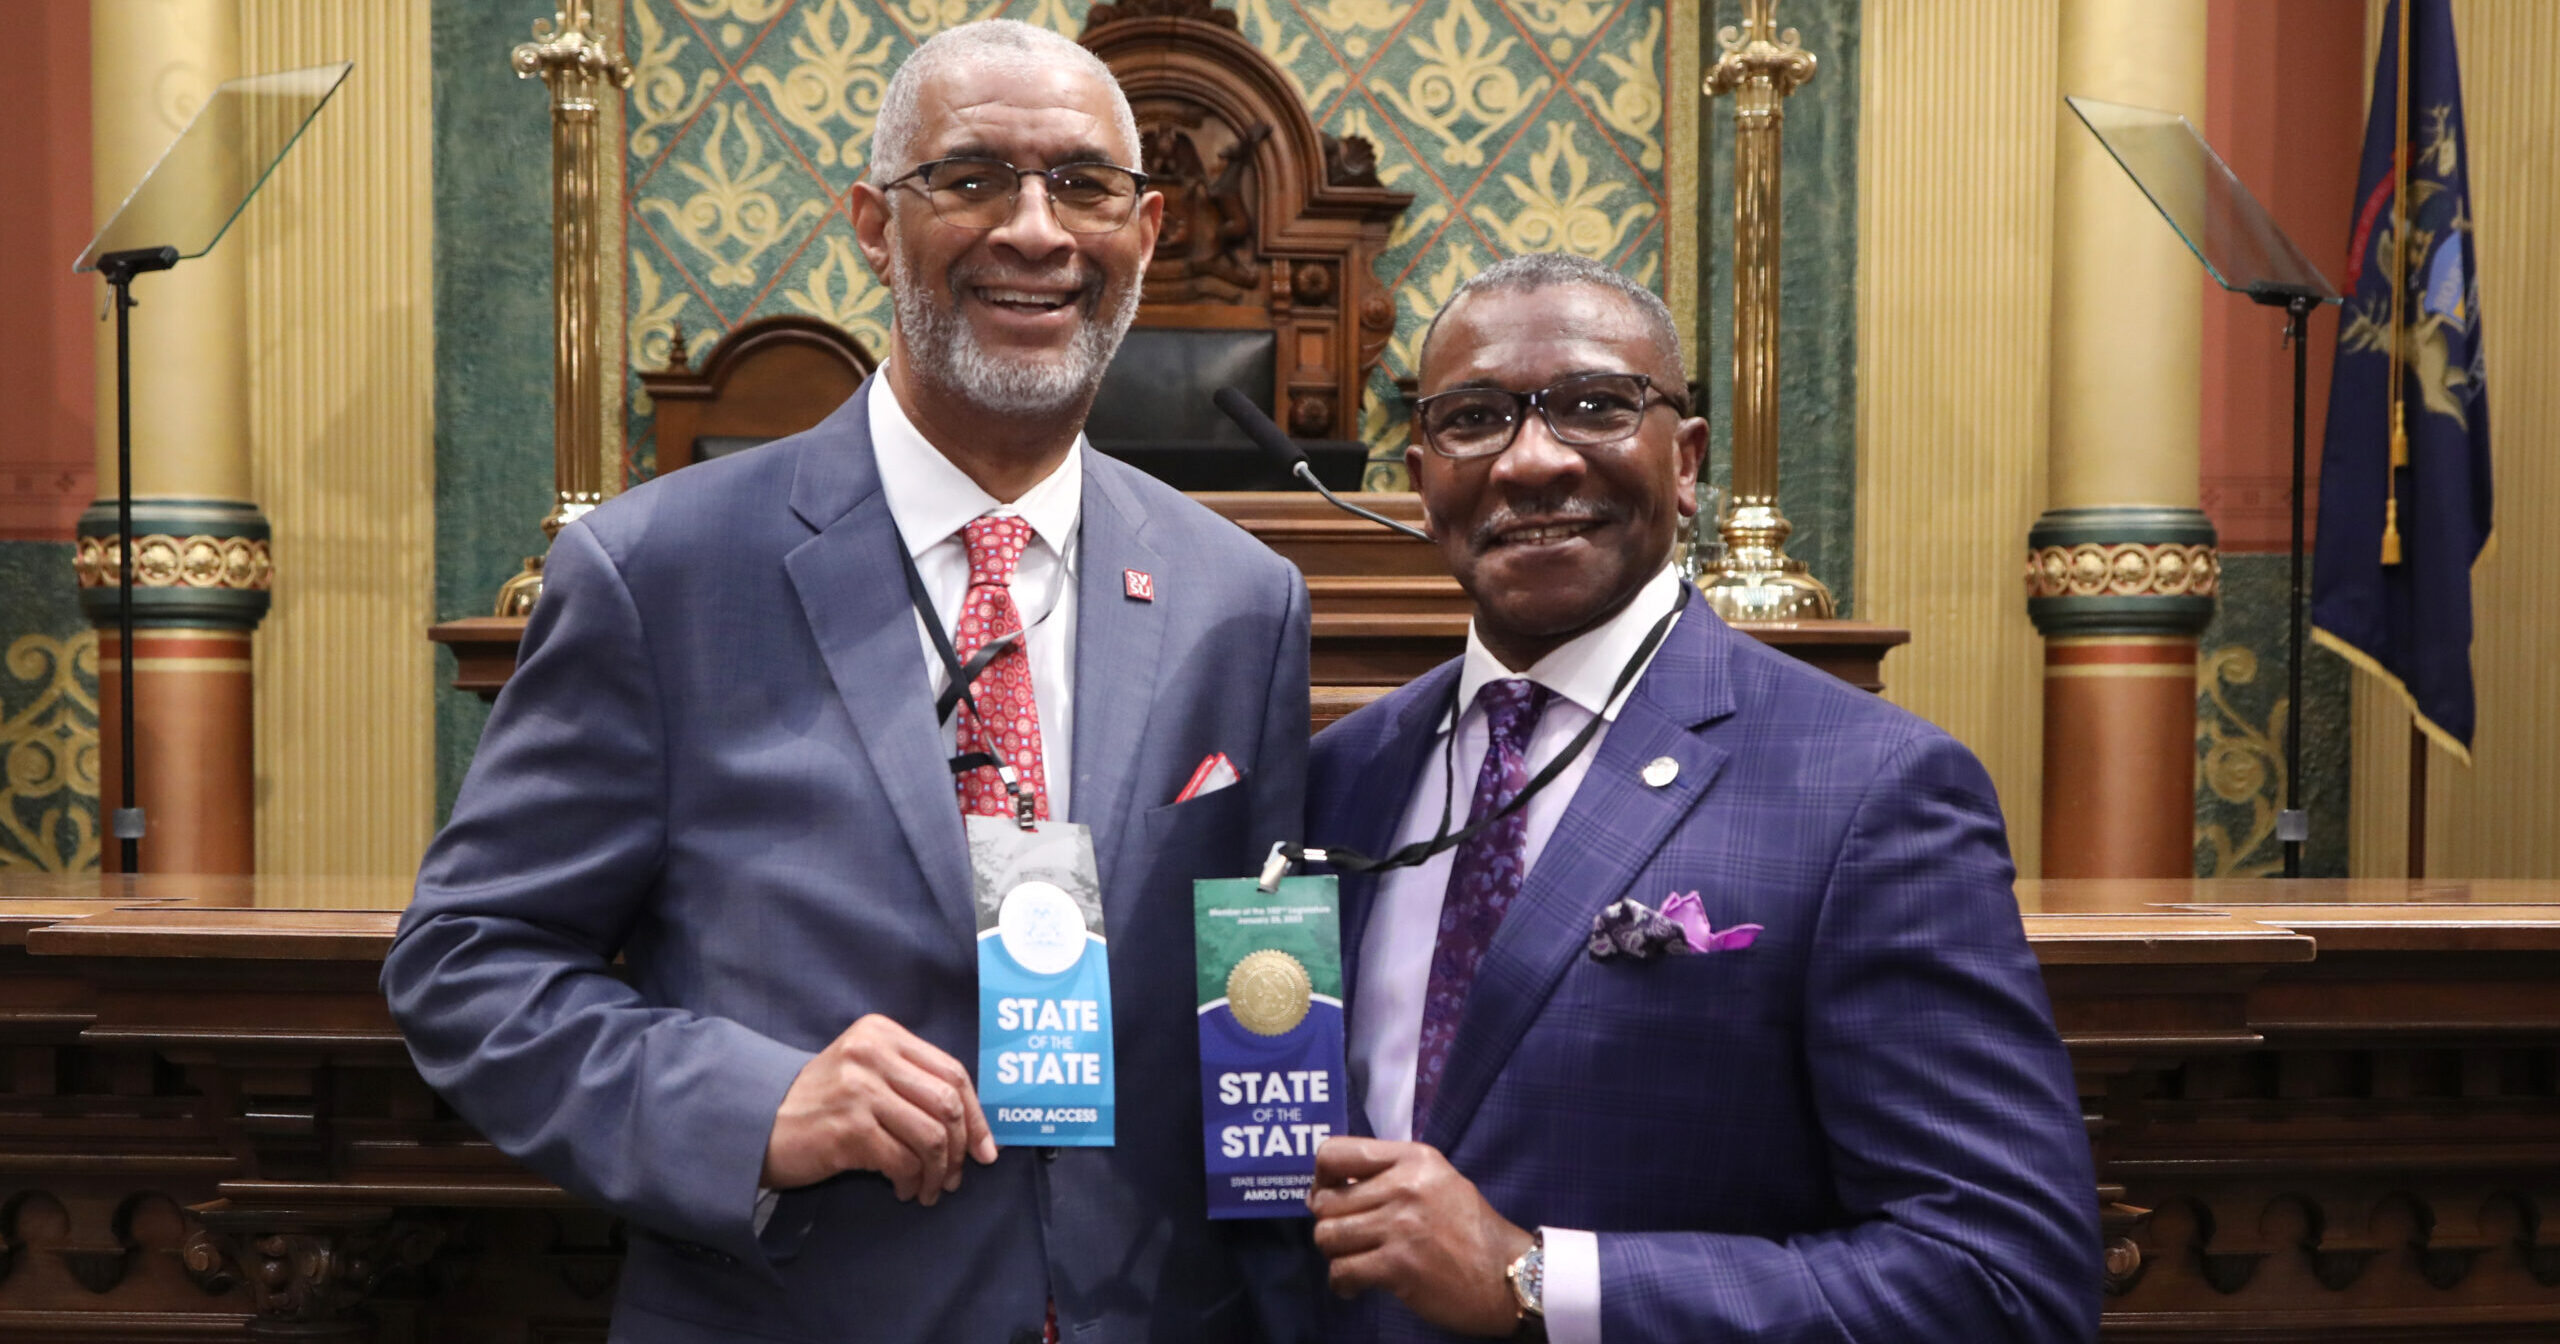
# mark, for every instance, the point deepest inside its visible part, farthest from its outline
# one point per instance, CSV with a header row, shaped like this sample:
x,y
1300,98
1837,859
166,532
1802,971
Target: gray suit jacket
x,y
718,761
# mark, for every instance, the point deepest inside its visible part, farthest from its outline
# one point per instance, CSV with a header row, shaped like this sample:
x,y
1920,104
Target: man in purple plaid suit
x,y
1718,1021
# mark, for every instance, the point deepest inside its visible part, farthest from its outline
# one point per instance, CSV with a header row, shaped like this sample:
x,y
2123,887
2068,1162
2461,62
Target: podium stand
x,y
180,209
2244,252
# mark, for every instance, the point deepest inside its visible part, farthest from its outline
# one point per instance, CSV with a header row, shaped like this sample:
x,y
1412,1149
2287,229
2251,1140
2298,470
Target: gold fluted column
x,y
1756,580
574,56
202,566
2121,569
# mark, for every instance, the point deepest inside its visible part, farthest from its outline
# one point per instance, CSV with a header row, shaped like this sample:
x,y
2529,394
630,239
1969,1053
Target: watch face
x,y
1529,1278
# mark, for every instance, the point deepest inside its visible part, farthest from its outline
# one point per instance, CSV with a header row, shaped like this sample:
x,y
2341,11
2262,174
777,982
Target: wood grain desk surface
x,y
2125,921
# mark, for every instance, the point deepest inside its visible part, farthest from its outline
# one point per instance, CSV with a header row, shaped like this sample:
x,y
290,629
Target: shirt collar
x,y
1583,668
930,499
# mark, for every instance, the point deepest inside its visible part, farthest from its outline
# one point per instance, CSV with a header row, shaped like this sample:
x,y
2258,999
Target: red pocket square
x,y
1215,772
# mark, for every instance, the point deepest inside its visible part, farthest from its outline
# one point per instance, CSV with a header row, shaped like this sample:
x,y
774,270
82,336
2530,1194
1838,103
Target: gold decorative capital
x,y
1759,57
569,54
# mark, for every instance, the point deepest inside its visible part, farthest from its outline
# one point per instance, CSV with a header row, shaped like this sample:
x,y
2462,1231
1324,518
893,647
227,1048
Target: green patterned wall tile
x,y
823,82
733,203
2240,701
48,714
1620,87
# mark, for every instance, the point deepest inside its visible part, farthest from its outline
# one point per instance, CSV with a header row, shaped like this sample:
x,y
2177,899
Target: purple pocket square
x,y
1634,931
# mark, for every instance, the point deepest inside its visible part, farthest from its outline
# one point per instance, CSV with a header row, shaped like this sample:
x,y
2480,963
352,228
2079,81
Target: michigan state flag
x,y
2391,576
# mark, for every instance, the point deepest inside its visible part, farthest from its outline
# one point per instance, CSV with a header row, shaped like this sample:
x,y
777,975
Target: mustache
x,y
1076,273
1543,512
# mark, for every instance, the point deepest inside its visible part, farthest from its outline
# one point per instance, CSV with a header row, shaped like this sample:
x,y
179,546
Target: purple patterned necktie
x,y
1483,879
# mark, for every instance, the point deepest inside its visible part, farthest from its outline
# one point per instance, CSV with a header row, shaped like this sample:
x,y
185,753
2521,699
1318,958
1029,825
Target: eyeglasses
x,y
978,193
1586,412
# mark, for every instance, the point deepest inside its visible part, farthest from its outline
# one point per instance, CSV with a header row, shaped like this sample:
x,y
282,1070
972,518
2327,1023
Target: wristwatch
x,y
1528,1276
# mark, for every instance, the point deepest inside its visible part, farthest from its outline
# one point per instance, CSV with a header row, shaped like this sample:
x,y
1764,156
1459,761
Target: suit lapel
x,y
1369,819
1614,825
847,580
1119,645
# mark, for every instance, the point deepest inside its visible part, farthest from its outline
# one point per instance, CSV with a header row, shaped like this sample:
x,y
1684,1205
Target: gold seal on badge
x,y
1268,992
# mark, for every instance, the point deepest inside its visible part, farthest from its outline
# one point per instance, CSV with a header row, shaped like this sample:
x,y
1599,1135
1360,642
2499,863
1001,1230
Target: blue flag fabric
x,y
2409,623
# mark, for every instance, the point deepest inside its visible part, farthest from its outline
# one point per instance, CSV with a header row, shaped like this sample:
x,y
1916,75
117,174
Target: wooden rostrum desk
x,y
1382,606
2322,1111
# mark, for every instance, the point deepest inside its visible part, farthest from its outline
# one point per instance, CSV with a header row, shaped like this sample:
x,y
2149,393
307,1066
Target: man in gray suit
x,y
719,760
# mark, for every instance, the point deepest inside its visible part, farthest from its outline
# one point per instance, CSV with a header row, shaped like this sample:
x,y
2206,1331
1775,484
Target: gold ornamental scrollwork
x,y
49,755
242,564
2242,762
2124,569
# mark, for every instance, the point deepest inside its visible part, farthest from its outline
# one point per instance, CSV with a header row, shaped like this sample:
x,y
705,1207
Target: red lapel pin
x,y
1140,584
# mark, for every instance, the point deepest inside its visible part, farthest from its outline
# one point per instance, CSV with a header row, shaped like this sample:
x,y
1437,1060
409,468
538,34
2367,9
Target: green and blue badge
x,y
1272,1081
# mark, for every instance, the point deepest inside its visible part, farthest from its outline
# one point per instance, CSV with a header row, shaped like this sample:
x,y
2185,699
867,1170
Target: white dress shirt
x,y
931,500
1404,919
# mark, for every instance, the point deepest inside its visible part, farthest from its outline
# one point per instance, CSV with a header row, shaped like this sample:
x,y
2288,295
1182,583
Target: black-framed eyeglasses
x,y
979,193
1586,412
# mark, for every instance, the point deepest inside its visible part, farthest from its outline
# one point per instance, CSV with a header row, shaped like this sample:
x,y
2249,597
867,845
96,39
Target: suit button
x,y
1048,1154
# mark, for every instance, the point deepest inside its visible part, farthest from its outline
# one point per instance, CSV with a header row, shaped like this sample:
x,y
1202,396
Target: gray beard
x,y
947,355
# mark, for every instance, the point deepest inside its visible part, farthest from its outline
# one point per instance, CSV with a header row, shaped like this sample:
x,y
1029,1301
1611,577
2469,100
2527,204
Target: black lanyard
x,y
1420,851
964,675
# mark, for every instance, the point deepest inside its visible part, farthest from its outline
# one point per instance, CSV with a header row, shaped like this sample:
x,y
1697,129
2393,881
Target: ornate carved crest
x,y
1205,253
1198,11
1268,221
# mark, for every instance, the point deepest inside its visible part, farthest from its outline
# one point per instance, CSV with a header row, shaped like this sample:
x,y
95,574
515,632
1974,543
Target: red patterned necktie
x,y
1007,722
1484,878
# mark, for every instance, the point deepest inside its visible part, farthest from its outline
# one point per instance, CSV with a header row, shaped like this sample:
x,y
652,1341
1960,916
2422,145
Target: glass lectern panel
x,y
233,142
2216,216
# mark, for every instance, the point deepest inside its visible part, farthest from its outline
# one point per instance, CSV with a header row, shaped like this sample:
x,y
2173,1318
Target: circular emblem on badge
x,y
1268,992
1041,927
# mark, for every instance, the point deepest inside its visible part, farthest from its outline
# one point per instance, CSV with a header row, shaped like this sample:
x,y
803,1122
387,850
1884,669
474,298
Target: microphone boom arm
x,y
1267,436
1308,474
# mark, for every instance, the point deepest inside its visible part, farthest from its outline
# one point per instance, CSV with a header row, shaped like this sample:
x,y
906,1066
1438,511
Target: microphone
x,y
1267,436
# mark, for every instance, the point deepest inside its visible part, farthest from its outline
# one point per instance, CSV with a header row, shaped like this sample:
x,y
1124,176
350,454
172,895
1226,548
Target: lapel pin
x,y
1139,584
1660,770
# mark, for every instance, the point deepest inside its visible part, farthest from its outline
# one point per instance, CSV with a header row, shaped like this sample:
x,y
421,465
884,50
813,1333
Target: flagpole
x,y
2417,800
2417,827
2399,284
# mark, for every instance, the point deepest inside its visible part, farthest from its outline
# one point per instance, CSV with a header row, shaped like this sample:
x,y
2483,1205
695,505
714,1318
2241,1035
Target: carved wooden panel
x,y
767,378
209,1129
1269,223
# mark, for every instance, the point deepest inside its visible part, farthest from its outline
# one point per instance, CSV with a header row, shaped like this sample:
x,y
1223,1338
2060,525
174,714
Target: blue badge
x,y
1044,985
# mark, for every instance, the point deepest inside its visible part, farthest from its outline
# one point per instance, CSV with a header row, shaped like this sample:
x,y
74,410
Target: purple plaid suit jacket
x,y
1863,1127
